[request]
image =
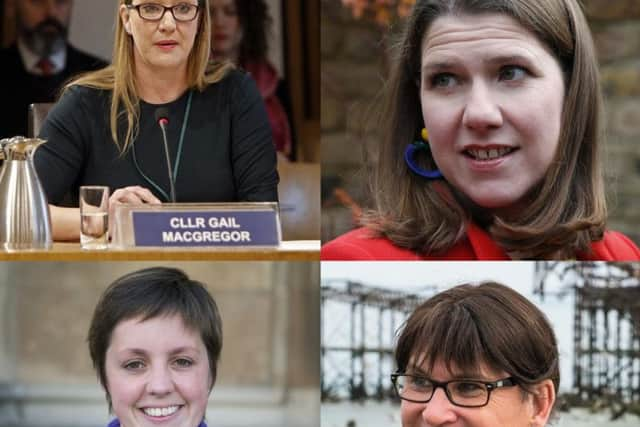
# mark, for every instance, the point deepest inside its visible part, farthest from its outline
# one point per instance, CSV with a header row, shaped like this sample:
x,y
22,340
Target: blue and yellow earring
x,y
409,154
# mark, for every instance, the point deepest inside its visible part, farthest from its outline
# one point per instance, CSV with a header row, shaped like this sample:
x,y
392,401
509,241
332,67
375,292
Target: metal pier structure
x,y
606,339
359,326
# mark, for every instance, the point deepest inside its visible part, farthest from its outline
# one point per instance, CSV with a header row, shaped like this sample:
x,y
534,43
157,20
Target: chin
x,y
494,201
169,63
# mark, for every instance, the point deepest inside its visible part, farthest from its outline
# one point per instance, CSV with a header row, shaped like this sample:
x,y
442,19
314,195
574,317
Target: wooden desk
x,y
298,250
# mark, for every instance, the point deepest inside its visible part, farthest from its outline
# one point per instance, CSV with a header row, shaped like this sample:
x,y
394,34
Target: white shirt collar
x,y
30,59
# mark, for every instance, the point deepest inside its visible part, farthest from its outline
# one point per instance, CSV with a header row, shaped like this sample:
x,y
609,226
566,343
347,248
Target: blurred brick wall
x,y
616,31
353,64
354,55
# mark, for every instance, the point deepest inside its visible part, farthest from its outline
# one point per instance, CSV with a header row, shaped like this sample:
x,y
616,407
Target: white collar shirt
x,y
30,59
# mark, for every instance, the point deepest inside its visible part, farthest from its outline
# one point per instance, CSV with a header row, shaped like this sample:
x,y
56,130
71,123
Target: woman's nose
x,y
216,18
160,381
481,111
167,22
439,410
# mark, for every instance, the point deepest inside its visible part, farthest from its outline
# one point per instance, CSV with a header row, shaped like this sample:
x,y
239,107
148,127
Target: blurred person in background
x,y
239,33
36,66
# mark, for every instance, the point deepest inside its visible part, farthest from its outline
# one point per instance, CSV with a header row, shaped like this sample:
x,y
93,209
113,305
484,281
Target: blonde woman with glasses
x,y
106,127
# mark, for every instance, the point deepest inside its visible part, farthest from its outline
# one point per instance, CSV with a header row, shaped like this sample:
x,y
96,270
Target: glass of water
x,y
94,217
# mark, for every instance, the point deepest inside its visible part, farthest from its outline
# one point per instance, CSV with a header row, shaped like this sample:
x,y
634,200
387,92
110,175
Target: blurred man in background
x,y
35,67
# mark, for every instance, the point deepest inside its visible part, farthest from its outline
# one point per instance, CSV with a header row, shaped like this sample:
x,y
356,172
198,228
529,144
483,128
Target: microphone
x,y
162,117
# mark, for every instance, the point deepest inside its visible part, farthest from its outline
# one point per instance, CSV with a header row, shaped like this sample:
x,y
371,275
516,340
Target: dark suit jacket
x,y
18,88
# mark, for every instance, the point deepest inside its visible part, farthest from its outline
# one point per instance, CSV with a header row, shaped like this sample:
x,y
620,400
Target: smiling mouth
x,y
488,153
161,412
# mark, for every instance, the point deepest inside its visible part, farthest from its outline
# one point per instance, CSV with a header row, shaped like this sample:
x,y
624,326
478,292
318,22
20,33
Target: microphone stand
x,y
161,117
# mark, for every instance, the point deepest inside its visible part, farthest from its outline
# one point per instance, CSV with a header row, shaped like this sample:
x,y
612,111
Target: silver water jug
x,y
25,223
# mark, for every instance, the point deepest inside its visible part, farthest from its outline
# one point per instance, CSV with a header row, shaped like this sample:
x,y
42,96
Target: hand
x,y
134,195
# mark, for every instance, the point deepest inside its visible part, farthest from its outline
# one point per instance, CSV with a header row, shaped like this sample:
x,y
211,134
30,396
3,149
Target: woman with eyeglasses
x,y
155,341
479,356
106,127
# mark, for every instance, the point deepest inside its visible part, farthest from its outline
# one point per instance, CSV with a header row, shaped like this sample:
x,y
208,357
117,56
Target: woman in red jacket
x,y
490,145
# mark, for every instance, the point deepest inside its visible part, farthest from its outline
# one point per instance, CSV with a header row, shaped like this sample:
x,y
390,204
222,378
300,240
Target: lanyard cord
x,y
178,155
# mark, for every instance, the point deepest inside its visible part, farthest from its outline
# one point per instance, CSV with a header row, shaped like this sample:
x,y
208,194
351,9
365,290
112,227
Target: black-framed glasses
x,y
182,12
460,392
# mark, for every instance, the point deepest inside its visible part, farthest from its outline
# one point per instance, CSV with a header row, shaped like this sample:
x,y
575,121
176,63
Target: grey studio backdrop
x,y
270,363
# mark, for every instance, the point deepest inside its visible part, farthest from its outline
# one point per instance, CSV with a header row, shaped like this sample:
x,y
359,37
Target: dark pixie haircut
x,y
150,293
256,23
490,324
566,210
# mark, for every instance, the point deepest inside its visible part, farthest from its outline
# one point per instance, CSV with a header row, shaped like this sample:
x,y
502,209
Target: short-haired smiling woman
x,y
155,340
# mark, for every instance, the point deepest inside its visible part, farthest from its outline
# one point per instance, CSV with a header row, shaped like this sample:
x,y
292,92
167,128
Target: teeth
x,y
160,412
490,154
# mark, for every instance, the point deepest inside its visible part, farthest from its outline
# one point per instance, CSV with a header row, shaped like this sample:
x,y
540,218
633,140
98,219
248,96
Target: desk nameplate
x,y
224,225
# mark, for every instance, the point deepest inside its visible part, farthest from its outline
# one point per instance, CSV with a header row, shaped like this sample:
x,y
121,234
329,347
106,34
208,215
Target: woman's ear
x,y
125,17
544,396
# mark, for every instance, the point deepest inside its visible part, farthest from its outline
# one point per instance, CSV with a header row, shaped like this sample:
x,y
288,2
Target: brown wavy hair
x,y
471,326
120,76
566,211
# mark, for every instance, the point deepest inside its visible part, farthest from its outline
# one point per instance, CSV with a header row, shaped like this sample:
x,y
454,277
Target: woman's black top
x,y
227,154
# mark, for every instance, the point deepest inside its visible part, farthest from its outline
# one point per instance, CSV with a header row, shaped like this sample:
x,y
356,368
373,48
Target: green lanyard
x,y
176,166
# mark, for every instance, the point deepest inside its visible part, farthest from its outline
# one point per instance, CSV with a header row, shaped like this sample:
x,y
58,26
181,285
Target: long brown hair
x,y
567,210
119,77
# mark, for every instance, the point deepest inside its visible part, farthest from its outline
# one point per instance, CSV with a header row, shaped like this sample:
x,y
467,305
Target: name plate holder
x,y
197,225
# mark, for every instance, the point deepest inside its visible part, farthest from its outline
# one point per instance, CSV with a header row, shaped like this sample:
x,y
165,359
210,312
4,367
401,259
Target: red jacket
x,y
266,77
358,245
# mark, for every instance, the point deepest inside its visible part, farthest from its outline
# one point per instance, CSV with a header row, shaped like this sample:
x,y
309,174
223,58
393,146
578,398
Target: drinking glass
x,y
94,217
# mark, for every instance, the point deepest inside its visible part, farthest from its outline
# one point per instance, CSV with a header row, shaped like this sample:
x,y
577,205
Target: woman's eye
x,y
512,73
150,8
134,365
183,8
420,383
443,80
184,363
468,388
